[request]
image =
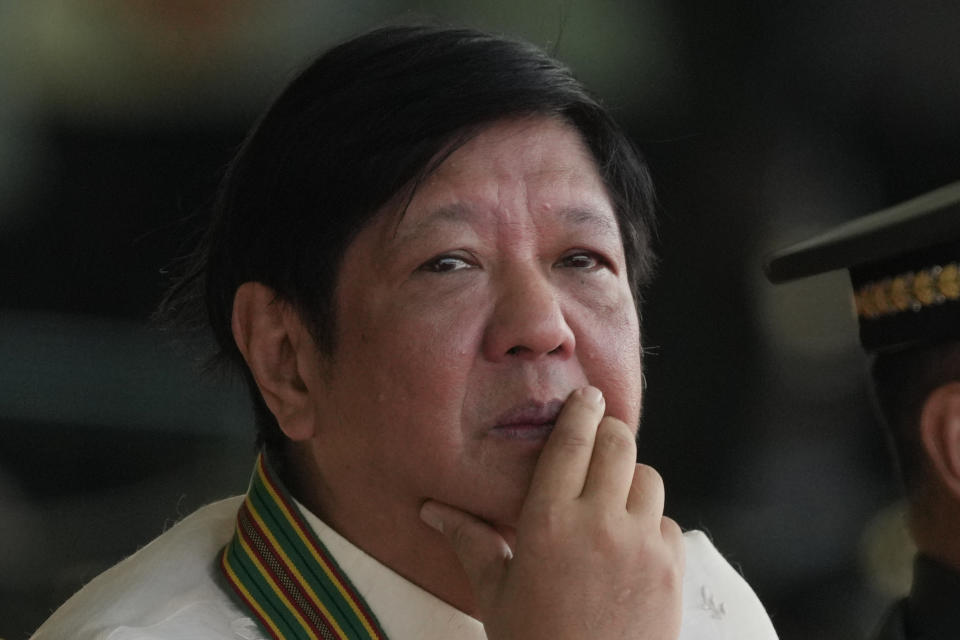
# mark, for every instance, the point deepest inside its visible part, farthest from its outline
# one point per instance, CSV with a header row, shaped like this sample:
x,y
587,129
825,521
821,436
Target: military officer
x,y
904,265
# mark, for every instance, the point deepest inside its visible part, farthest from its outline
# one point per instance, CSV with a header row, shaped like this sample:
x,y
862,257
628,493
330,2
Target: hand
x,y
594,556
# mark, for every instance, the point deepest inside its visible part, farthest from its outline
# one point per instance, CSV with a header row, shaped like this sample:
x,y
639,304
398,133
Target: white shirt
x,y
172,590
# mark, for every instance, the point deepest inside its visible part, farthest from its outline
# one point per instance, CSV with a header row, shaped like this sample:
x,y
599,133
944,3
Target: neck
x,y
387,528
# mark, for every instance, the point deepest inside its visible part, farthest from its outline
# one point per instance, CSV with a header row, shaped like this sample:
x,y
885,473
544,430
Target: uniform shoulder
x,y
172,575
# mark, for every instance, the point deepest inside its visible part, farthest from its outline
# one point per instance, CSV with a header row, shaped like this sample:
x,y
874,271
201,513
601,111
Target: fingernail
x,y
592,394
430,516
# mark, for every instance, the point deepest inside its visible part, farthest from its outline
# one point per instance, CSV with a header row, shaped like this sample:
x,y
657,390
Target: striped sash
x,y
285,576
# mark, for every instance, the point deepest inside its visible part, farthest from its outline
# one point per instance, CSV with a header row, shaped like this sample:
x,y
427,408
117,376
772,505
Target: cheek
x,y
399,394
611,355
416,356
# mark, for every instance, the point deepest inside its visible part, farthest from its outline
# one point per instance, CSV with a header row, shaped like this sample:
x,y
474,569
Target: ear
x,y
940,432
281,356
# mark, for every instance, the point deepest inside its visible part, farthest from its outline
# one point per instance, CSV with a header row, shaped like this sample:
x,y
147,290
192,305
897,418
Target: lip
x,y
530,420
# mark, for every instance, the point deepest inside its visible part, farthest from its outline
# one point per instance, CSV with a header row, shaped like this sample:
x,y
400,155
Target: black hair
x,y
362,125
902,382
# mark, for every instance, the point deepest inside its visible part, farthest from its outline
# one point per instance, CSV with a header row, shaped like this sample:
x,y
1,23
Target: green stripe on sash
x,y
285,576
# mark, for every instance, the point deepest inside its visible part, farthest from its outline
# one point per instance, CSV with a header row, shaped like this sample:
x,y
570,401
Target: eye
x,y
446,264
581,260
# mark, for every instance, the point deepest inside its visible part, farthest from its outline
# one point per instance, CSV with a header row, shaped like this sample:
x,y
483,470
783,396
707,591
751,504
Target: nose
x,y
528,321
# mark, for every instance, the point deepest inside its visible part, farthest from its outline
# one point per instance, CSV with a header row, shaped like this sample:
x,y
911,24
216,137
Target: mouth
x,y
530,420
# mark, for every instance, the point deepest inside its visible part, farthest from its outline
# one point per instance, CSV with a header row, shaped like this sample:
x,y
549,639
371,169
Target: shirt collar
x,y
403,609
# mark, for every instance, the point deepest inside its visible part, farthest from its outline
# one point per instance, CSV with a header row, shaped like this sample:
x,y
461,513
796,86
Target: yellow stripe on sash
x,y
293,569
273,585
250,600
282,505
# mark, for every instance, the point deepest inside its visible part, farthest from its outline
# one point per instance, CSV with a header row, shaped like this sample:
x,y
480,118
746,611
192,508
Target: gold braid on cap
x,y
911,291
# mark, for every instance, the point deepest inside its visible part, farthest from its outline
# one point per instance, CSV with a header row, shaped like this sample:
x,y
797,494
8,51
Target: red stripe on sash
x,y
286,583
307,533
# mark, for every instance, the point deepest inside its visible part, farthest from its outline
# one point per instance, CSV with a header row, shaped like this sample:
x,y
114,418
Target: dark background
x,y
764,122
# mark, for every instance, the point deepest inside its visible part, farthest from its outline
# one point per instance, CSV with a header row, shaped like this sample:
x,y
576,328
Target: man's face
x,y
465,322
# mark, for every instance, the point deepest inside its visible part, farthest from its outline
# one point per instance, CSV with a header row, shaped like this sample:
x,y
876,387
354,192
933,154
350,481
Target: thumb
x,y
481,550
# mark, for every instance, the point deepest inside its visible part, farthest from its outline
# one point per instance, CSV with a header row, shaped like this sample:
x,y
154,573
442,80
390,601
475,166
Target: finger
x,y
613,464
482,551
646,492
566,456
673,536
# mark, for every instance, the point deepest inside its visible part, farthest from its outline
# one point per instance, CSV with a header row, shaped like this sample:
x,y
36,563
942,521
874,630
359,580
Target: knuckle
x,y
614,441
549,522
669,575
458,534
575,441
615,435
608,535
664,567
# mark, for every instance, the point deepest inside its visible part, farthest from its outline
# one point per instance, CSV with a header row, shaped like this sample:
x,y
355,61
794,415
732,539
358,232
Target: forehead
x,y
509,170
531,146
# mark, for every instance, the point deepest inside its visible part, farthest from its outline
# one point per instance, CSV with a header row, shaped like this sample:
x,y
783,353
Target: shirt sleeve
x,y
718,604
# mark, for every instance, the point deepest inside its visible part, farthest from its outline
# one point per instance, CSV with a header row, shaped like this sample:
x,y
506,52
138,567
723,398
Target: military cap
x,y
904,264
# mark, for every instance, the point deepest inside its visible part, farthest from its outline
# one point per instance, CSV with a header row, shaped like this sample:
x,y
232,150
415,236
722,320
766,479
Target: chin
x,y
494,493
501,505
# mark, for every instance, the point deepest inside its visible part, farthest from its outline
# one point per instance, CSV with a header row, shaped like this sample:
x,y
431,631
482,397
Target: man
x,y
426,261
904,264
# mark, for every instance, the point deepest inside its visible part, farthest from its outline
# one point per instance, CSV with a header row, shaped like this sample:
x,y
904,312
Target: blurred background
x,y
764,122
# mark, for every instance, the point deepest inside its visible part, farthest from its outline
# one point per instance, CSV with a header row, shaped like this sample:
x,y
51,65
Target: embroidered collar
x,y
285,576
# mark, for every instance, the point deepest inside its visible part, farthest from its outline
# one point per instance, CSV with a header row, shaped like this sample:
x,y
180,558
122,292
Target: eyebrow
x,y
455,213
459,213
590,218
